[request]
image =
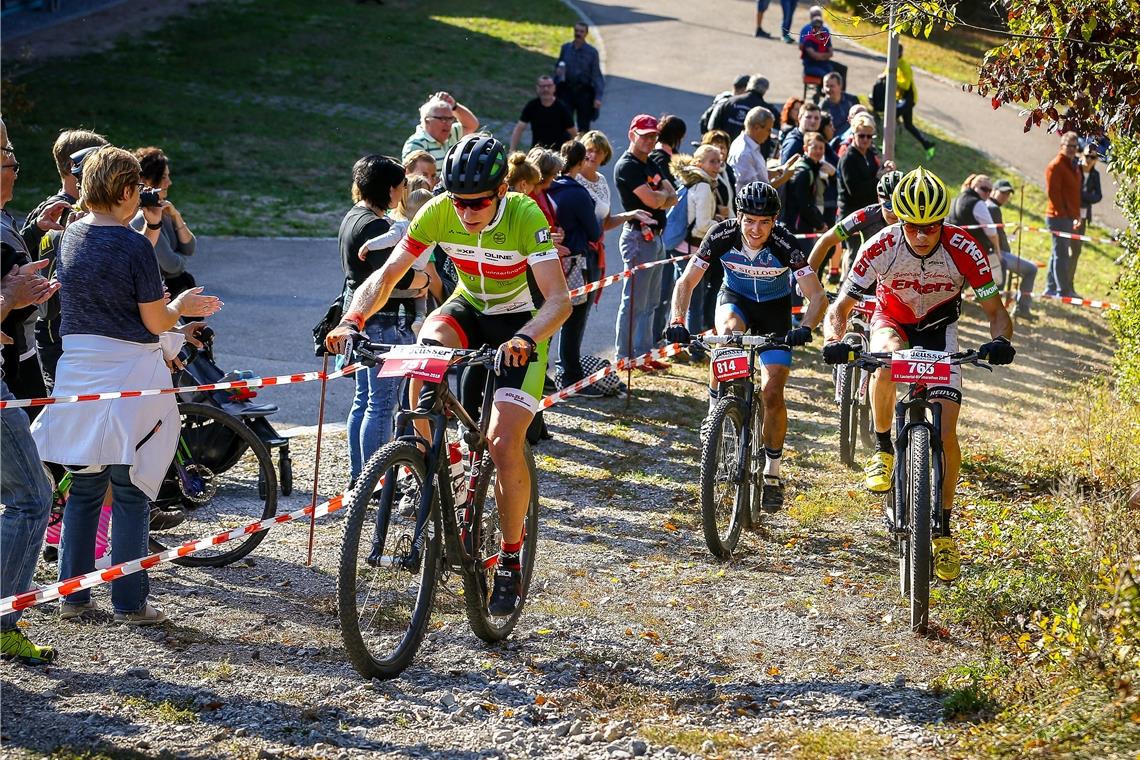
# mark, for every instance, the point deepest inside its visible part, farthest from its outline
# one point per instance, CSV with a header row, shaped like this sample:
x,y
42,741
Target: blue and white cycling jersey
x,y
763,275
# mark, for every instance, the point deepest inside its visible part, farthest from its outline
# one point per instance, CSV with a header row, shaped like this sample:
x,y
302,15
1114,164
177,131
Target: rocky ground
x,y
635,641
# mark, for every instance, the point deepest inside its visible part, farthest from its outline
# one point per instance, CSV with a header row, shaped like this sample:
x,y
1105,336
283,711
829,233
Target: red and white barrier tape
x,y
658,353
99,577
590,287
254,382
1094,303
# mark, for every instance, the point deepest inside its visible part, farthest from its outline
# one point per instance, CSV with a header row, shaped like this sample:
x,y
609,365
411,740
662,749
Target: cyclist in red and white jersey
x,y
918,269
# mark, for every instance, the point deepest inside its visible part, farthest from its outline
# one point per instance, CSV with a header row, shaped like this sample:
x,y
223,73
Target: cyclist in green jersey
x,y
511,292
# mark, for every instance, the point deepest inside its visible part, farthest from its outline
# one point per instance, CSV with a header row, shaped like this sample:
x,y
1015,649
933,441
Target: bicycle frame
x,y
455,527
756,344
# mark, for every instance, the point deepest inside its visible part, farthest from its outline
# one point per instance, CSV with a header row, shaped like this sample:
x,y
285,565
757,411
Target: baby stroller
x,y
201,369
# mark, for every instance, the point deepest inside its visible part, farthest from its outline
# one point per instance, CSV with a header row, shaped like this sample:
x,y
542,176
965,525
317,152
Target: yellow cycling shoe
x,y
947,561
879,471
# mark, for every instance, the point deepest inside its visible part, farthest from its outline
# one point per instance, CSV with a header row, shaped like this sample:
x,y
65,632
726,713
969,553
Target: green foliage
x,y
1126,322
264,105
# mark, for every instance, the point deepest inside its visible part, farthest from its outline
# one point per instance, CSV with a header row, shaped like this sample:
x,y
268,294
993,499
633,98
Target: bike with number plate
x,y
852,388
435,513
913,507
732,453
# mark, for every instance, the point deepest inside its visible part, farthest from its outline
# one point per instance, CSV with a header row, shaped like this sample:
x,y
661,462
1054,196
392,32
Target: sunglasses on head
x,y
985,189
472,204
922,229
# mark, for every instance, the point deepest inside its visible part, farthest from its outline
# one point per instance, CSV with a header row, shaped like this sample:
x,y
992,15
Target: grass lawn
x,y
955,54
264,105
954,161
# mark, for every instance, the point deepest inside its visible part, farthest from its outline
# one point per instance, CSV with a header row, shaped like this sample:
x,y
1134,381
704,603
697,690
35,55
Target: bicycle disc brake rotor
x,y
198,484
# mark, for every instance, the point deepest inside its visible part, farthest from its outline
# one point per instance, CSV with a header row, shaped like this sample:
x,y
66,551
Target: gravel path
x,y
635,641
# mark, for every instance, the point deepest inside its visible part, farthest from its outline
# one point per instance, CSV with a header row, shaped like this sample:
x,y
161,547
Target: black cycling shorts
x,y
761,318
517,385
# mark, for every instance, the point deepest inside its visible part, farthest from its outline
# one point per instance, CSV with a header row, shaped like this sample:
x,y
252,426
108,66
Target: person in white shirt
x,y
746,156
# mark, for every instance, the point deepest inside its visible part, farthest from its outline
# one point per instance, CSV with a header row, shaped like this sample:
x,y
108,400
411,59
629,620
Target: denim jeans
x,y
370,416
789,7
130,534
570,343
639,293
1026,270
26,495
670,273
1059,280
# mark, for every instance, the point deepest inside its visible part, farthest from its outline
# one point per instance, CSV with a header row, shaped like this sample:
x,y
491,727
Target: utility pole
x,y
890,99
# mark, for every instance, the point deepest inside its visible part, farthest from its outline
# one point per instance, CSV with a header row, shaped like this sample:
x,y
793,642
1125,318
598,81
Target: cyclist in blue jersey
x,y
760,257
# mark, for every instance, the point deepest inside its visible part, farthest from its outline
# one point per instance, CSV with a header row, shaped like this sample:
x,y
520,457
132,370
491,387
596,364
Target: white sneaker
x,y
69,611
150,615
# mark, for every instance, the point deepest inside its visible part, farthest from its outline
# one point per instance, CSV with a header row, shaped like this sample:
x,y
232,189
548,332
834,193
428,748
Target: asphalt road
x,y
660,56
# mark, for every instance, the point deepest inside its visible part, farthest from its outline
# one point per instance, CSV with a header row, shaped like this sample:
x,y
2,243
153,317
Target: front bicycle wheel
x,y
756,462
724,496
226,480
486,538
863,403
385,586
845,391
919,494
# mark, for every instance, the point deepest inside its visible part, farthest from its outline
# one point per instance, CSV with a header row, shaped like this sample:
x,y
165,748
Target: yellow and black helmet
x,y
921,198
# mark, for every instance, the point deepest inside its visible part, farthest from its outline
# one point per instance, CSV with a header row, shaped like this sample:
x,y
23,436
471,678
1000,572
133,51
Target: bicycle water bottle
x,y
457,472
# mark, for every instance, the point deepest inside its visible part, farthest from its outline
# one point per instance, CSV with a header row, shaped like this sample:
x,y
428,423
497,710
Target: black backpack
x,y
879,94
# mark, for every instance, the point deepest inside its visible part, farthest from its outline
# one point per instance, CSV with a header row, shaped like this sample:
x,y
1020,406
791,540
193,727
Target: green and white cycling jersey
x,y
493,265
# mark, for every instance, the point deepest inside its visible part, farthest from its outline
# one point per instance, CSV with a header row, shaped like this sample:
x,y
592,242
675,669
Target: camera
x,y
149,198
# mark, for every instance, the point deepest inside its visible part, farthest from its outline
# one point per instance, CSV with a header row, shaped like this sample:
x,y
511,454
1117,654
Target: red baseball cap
x,y
643,124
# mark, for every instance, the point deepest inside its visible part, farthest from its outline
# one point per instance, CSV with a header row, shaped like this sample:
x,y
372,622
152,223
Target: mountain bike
x,y
221,478
852,387
913,506
732,449
432,514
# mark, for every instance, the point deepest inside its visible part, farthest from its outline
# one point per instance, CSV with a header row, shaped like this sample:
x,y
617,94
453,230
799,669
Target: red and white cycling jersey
x,y
921,290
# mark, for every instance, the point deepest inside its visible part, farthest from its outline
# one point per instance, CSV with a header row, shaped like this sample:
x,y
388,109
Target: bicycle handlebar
x,y
370,353
739,339
876,359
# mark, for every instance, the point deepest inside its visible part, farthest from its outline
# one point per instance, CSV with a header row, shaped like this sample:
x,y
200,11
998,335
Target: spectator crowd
x,y
98,292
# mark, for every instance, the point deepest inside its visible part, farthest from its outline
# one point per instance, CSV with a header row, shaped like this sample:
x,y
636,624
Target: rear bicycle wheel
x,y
848,413
221,490
385,589
486,538
919,493
724,497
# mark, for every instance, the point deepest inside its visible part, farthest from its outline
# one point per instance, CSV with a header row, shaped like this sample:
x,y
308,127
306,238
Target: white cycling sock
x,y
772,463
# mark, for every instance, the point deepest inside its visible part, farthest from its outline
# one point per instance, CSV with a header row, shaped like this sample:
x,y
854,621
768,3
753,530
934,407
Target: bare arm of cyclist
x,y
683,290
812,289
835,323
822,246
371,296
556,300
1000,323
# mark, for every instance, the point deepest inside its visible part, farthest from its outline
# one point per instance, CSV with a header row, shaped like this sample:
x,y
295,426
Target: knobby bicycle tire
x,y
384,608
718,465
848,413
756,462
866,421
478,574
243,492
919,504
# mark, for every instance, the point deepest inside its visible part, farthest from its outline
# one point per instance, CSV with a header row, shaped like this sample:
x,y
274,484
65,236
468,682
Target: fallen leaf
x,y
773,670
540,699
658,656
544,631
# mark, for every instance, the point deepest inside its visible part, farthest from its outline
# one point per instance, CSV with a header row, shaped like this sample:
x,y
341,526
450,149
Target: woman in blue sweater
x,y
575,210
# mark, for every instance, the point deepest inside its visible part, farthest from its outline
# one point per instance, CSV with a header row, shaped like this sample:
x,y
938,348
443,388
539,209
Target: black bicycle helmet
x,y
475,164
758,199
887,184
